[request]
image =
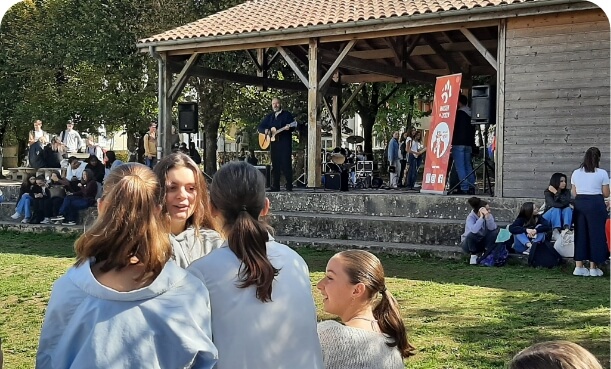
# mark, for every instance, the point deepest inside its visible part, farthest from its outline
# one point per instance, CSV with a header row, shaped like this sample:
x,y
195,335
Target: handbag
x,y
57,191
565,244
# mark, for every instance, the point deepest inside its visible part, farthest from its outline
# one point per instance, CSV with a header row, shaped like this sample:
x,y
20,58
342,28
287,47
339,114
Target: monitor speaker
x,y
483,104
187,117
267,173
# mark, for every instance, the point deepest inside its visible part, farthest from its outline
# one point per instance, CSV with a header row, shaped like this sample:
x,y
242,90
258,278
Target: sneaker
x,y
473,260
581,271
70,223
16,216
59,217
25,220
555,234
596,272
526,252
45,221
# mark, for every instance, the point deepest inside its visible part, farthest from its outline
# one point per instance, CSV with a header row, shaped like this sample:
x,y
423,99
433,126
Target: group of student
x,y
156,286
405,155
582,209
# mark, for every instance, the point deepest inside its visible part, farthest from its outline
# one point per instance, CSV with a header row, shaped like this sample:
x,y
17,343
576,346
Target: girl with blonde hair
x,y
125,303
555,355
187,205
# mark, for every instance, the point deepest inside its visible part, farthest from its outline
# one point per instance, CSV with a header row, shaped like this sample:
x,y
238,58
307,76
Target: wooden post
x,y
337,130
500,111
164,122
314,160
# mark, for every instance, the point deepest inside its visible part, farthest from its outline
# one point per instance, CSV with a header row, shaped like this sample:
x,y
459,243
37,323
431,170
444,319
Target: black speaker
x,y
267,173
483,104
333,181
187,117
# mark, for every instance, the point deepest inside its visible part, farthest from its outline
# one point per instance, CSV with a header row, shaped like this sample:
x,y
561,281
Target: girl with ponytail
x,y
373,334
263,313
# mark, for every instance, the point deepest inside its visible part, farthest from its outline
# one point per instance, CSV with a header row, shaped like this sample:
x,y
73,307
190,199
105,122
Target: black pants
x,y
42,209
589,219
476,244
56,203
281,163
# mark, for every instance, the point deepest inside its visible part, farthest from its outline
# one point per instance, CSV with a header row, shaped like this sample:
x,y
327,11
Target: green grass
x,y
457,316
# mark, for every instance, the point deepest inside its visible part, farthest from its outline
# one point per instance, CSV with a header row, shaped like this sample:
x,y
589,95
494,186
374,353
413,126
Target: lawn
x,y
457,316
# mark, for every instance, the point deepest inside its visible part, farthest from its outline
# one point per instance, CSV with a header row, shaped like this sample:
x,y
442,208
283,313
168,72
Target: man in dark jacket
x,y
281,148
36,156
463,140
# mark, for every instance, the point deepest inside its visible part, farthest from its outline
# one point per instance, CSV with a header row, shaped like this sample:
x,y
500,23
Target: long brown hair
x,y
201,212
364,267
130,225
555,355
591,160
238,193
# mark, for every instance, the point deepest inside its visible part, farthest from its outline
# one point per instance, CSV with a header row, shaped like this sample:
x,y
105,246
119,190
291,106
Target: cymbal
x,y
338,158
355,139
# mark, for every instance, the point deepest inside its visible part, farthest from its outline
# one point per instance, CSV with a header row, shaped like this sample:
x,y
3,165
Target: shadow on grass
x,y
46,244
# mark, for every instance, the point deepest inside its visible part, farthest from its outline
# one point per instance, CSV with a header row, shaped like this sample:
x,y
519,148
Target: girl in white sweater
x,y
372,335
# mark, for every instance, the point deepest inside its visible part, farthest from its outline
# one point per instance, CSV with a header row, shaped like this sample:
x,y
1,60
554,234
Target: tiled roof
x,y
266,15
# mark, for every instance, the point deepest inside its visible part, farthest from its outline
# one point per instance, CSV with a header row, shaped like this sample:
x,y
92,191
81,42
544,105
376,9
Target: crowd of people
x,y
584,210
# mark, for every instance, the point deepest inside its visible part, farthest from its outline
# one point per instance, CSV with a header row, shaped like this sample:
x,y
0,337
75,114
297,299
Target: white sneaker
x,y
16,216
25,220
596,272
70,223
581,271
45,221
555,235
473,260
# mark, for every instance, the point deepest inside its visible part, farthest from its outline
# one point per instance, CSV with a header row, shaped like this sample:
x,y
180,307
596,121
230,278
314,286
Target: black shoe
x,y
273,190
289,189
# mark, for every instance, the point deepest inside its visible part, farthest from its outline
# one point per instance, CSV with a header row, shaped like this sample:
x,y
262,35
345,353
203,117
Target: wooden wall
x,y
557,100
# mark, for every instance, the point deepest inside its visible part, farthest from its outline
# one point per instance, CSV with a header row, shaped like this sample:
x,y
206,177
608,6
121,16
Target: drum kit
x,y
339,162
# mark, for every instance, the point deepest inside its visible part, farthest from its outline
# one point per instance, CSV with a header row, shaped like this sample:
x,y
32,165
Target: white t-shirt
x,y
589,183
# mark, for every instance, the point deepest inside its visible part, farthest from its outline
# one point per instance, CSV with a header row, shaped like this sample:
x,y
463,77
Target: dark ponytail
x,y
364,267
238,193
591,160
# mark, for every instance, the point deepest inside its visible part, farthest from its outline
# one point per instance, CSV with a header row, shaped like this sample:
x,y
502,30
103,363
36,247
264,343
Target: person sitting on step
x,y
40,201
24,200
480,229
373,334
82,198
57,188
528,228
558,210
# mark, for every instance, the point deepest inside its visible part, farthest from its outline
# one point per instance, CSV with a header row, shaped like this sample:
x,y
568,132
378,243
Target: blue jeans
x,y
150,162
412,173
520,241
71,206
559,217
462,161
23,206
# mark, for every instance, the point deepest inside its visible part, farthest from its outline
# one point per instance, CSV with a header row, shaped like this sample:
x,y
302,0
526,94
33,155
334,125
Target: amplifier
x,y
364,166
336,181
267,173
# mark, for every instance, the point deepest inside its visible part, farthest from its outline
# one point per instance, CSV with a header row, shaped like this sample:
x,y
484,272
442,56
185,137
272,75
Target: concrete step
x,y
8,208
41,228
421,231
391,203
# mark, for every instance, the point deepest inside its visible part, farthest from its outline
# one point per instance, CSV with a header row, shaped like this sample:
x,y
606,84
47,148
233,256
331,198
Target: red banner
x,y
447,89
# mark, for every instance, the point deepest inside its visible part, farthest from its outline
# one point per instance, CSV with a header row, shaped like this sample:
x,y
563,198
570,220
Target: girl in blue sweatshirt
x,y
480,229
528,228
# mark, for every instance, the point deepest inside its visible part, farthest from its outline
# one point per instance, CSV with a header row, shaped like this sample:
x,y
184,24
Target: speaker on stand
x,y
187,117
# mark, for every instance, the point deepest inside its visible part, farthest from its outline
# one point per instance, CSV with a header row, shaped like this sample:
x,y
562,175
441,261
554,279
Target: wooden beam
x,y
500,112
329,109
273,59
416,50
327,77
412,45
352,97
293,66
183,76
164,119
393,47
246,79
255,60
337,128
262,62
452,65
314,160
387,97
361,65
369,78
478,45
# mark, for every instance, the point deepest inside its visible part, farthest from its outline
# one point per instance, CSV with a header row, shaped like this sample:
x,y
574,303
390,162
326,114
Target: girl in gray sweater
x,y
187,206
372,335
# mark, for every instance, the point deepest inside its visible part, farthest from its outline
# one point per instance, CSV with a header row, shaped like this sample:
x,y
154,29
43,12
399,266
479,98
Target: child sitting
x,y
528,228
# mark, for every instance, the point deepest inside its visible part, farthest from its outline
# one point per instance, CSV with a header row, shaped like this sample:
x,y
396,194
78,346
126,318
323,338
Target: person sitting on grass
x,y
125,303
558,210
24,200
263,313
372,334
187,205
528,228
554,355
480,229
83,198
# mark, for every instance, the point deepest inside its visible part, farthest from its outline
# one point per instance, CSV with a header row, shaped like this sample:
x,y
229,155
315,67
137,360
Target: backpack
x,y
495,256
543,254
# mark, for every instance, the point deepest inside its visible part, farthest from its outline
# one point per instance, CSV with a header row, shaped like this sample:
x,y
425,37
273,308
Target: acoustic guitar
x,y
266,139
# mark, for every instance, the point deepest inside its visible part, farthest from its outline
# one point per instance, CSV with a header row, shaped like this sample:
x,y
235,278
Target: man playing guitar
x,y
281,147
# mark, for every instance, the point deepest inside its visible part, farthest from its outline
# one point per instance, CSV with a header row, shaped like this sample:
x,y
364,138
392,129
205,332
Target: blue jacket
x,y
393,151
164,325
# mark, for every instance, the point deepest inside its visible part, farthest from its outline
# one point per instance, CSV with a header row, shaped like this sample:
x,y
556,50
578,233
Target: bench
x,y
20,173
